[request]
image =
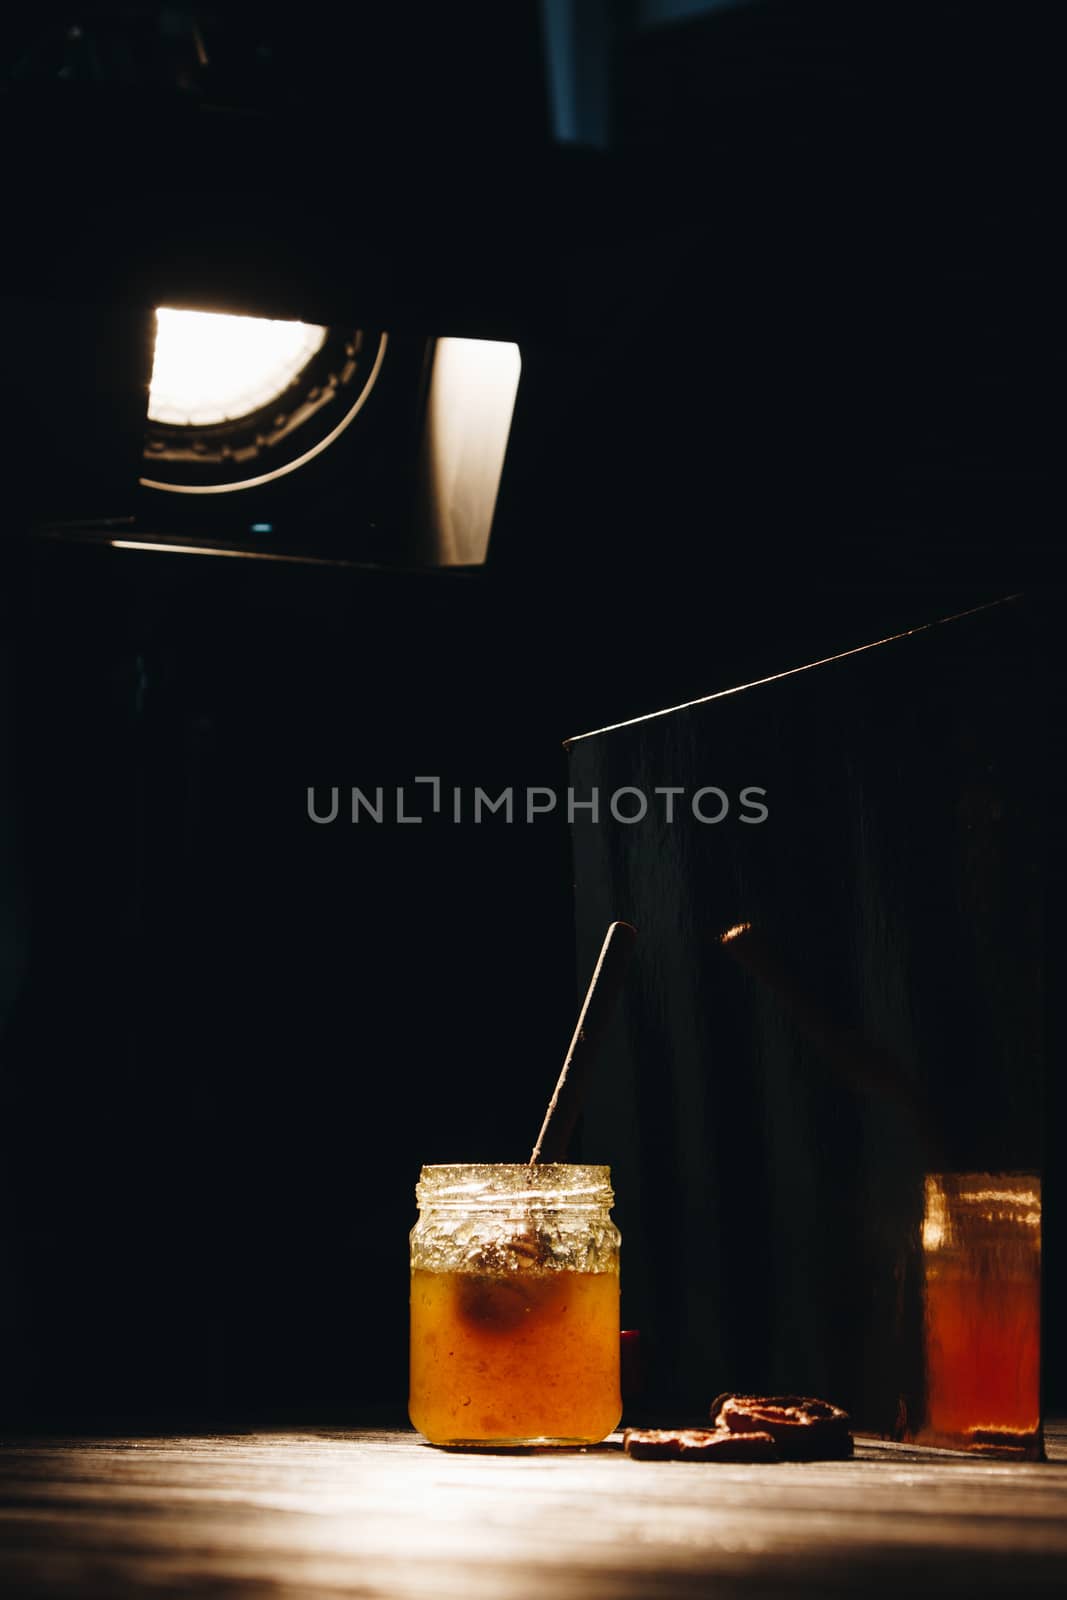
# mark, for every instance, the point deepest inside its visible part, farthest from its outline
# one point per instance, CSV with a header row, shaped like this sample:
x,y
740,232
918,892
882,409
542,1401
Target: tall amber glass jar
x,y
514,1306
982,1303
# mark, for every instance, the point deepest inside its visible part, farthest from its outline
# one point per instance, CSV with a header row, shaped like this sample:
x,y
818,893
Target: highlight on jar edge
x,y
515,1306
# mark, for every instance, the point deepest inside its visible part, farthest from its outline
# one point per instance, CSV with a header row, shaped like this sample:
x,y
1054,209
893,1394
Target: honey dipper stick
x,y
569,1093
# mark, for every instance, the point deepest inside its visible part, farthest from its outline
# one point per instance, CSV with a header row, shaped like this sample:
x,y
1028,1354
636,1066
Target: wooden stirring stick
x,y
569,1093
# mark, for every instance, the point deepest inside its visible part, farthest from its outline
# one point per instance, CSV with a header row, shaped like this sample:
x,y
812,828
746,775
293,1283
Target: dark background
x,y
791,354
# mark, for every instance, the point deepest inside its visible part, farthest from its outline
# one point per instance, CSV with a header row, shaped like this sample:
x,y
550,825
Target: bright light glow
x,y
289,466
213,368
473,387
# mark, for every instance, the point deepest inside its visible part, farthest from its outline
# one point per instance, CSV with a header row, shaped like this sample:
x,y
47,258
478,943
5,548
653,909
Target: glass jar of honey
x,y
982,1312
514,1306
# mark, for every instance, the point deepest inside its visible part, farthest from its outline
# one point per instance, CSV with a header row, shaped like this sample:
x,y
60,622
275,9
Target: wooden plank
x,y
306,1514
778,1098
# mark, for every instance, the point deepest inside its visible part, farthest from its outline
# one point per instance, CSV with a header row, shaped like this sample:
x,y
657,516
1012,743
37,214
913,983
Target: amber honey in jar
x,y
515,1306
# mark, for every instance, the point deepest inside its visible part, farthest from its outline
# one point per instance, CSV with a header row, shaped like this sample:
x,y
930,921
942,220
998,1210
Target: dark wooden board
x,y
295,1515
772,1105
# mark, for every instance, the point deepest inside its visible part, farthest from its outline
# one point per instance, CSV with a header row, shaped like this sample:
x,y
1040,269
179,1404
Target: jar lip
x,y
537,1171
568,1183
991,1188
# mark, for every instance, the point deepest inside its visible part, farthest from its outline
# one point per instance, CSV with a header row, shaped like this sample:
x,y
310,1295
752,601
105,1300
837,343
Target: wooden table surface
x,y
324,1513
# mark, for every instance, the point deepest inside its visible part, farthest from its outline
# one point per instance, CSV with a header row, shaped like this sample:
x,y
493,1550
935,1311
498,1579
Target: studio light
x,y
236,402
212,368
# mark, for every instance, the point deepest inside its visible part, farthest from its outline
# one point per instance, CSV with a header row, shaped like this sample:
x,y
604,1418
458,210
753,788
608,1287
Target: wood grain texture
x,y
307,1514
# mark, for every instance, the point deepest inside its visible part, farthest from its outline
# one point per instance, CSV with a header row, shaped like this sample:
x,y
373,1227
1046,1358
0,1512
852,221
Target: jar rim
x,y
473,1183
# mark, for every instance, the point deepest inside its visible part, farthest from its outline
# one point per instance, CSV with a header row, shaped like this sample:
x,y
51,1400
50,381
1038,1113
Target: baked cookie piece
x,y
803,1429
697,1444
